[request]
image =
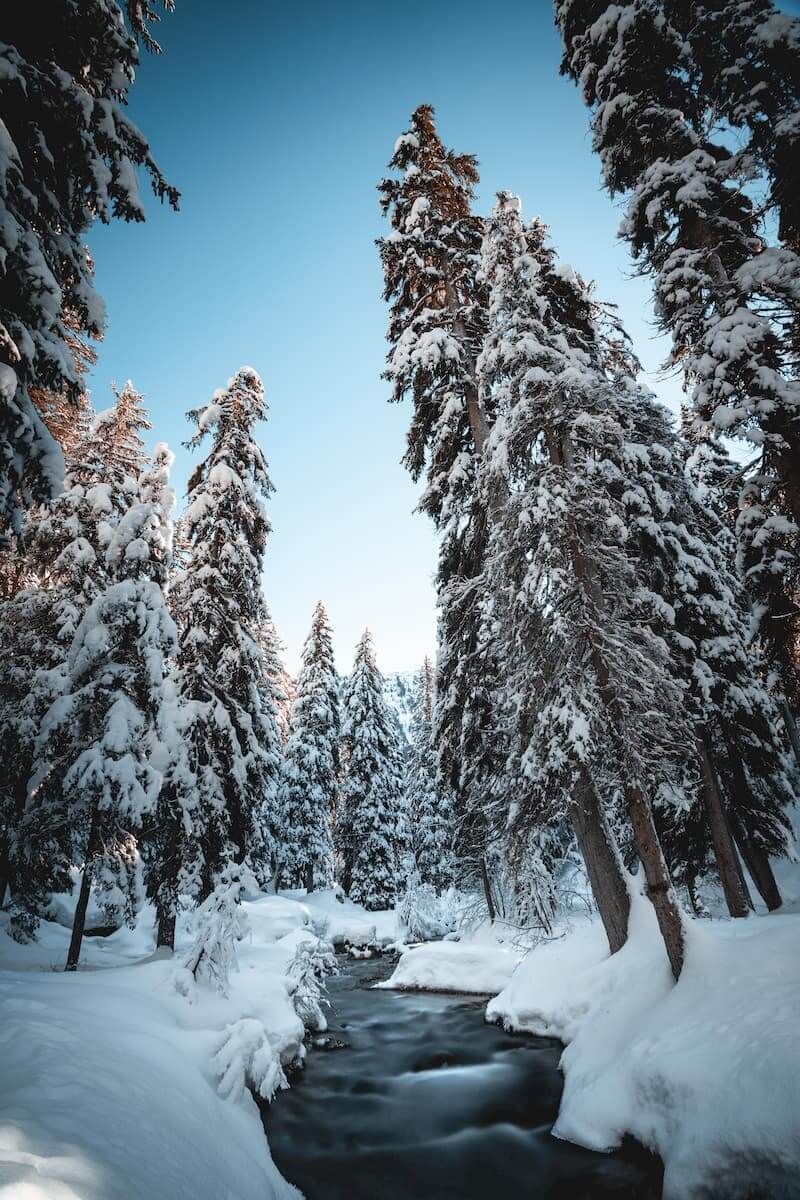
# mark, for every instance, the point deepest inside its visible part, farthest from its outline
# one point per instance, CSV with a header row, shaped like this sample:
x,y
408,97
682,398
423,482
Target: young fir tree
x,y
371,797
311,765
221,786
69,156
665,82
97,740
429,807
437,315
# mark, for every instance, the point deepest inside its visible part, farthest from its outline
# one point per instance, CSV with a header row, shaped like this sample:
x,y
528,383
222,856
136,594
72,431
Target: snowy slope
x,y
706,1072
109,1085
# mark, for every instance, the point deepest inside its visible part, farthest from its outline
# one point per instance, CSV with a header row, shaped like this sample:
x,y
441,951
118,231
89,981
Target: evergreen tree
x,y
69,156
429,808
65,547
97,740
430,262
280,688
221,788
311,765
371,796
665,81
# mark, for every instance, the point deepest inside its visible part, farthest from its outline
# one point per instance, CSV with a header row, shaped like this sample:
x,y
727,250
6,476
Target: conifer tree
x,y
311,765
279,683
665,81
99,738
371,796
65,548
579,438
221,787
69,156
430,262
429,807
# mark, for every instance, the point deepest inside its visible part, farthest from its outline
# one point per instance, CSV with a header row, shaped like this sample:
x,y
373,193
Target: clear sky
x,y
276,122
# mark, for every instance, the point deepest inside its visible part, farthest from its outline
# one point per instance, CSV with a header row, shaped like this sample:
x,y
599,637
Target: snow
x,y
341,922
705,1072
120,1083
454,967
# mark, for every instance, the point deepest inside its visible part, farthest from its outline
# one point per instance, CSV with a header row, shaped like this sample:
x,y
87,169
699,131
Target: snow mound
x,y
453,967
341,922
706,1073
127,1080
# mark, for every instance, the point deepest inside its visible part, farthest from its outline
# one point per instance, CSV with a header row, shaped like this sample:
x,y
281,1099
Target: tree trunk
x,y
165,931
791,728
487,889
79,920
755,857
757,862
659,885
603,867
309,877
6,866
694,899
733,885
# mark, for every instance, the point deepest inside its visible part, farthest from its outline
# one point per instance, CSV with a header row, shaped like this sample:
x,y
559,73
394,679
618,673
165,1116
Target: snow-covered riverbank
x,y
705,1072
116,1085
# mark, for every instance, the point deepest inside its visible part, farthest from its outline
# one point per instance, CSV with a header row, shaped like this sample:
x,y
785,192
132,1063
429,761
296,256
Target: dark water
x,y
428,1102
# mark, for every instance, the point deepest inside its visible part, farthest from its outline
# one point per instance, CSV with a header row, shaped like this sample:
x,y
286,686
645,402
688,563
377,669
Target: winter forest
x,y
365,911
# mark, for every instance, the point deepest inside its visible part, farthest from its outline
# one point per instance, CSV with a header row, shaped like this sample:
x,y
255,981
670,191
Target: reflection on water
x,y
428,1101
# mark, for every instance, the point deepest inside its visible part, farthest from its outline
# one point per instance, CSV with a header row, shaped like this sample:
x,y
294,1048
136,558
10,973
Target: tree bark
x,y
309,877
755,857
603,867
79,920
6,866
757,862
733,884
791,728
487,888
165,932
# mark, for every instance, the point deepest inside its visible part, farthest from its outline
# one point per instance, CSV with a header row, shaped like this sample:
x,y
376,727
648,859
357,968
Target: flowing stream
x,y
414,1097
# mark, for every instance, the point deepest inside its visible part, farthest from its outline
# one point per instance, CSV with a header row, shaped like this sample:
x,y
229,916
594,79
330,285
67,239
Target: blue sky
x,y
276,123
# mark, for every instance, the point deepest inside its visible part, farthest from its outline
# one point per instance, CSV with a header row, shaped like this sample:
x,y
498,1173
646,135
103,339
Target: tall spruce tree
x,y
371,796
666,82
311,765
220,793
578,438
68,157
279,685
430,262
430,808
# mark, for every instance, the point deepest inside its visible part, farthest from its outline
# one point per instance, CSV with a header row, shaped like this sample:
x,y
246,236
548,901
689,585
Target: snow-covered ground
x,y
116,1084
343,923
705,1072
480,969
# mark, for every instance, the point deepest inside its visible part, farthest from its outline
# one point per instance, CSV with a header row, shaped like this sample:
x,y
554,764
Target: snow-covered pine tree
x,y
221,786
311,765
429,806
280,685
97,741
68,157
430,263
64,545
563,543
665,82
371,797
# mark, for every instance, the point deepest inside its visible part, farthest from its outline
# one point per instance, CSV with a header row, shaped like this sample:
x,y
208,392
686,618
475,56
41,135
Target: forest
x,y
573,826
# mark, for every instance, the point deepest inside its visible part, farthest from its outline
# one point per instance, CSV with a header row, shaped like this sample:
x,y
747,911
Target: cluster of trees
x,y
149,728
618,601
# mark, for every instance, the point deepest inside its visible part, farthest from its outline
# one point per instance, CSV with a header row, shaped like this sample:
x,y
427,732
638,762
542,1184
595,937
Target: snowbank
x,y
453,967
109,1077
343,923
705,1072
